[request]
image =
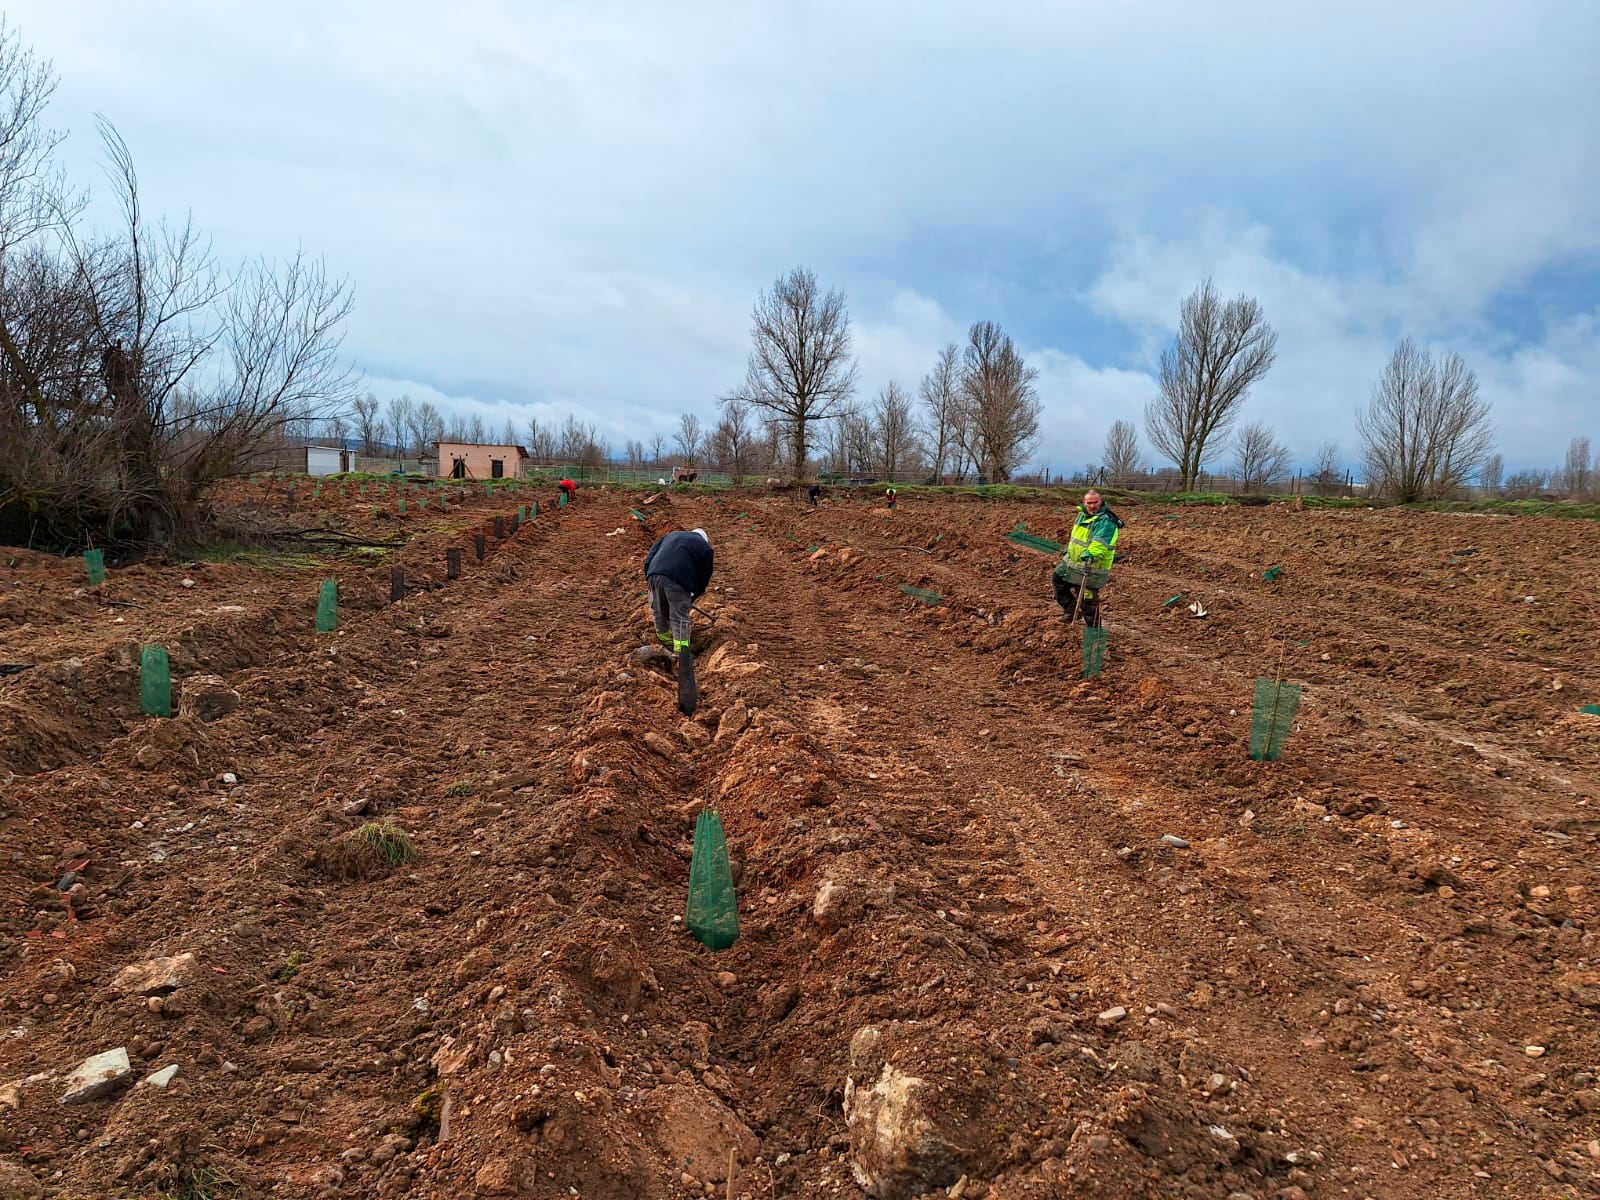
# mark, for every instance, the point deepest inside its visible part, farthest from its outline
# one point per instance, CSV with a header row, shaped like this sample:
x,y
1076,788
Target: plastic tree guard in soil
x,y
712,915
1094,651
1275,706
155,682
94,562
1033,541
928,597
328,606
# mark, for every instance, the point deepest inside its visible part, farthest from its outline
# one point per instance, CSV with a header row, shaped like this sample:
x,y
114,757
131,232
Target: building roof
x,y
521,452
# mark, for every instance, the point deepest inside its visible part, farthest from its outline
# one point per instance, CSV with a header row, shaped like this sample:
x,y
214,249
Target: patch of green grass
x,y
197,1181
462,787
1574,509
264,558
368,851
291,966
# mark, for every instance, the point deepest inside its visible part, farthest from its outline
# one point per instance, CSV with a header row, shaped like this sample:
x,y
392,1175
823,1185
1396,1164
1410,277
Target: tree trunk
x,y
799,447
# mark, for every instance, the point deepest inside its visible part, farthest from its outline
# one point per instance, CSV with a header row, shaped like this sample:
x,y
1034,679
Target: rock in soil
x,y
97,1076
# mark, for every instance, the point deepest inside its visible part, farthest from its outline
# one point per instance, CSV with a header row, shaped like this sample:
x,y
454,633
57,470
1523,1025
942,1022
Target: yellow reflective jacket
x,y
1095,538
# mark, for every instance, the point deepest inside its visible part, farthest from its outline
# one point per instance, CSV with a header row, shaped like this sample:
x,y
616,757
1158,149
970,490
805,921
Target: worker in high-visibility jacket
x,y
1091,548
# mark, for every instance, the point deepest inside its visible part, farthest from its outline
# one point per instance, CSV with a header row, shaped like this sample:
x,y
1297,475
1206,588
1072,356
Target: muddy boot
x,y
688,692
1066,596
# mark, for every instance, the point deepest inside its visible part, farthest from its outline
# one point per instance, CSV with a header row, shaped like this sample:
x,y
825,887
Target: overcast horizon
x,y
572,212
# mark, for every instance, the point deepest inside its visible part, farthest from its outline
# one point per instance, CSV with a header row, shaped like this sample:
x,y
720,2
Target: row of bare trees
x,y
980,403
1425,433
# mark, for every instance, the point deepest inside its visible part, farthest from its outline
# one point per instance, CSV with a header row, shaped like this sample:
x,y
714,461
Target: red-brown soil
x,y
1370,974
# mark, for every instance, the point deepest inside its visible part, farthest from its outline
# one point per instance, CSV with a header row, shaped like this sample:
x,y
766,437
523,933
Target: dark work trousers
x,y
1067,597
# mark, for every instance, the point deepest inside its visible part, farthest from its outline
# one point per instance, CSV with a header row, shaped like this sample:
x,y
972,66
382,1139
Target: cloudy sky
x,y
569,207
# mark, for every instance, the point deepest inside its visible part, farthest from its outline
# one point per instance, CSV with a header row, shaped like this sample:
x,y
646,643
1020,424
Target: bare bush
x,y
1222,349
1259,459
1426,430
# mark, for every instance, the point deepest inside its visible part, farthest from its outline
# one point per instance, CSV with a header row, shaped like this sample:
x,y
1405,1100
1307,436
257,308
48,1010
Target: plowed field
x,y
969,965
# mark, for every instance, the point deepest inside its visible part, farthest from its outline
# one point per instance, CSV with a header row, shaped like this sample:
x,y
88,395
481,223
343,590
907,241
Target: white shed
x,y
325,460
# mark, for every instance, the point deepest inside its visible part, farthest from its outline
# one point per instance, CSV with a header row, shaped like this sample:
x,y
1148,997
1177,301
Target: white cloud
x,y
571,206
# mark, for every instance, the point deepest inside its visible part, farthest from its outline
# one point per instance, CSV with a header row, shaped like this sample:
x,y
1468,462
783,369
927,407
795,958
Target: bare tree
x,y
1122,457
1221,350
134,371
33,195
895,435
596,450
1527,485
1490,474
1577,476
1426,431
1325,475
634,449
477,435
658,447
508,433
1000,407
430,426
801,368
574,440
941,402
1259,459
367,423
400,410
688,438
734,439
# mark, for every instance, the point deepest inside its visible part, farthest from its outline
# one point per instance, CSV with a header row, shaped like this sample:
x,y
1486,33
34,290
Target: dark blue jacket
x,y
684,558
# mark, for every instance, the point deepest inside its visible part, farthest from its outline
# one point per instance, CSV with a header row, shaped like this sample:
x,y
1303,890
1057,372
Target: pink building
x,y
472,460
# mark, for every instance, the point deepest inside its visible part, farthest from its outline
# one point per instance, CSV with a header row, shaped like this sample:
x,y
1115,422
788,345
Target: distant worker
x,y
569,488
678,570
814,493
891,494
1086,566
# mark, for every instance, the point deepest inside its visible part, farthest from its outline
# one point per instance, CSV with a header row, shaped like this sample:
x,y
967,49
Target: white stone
x,y
160,1079
97,1076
